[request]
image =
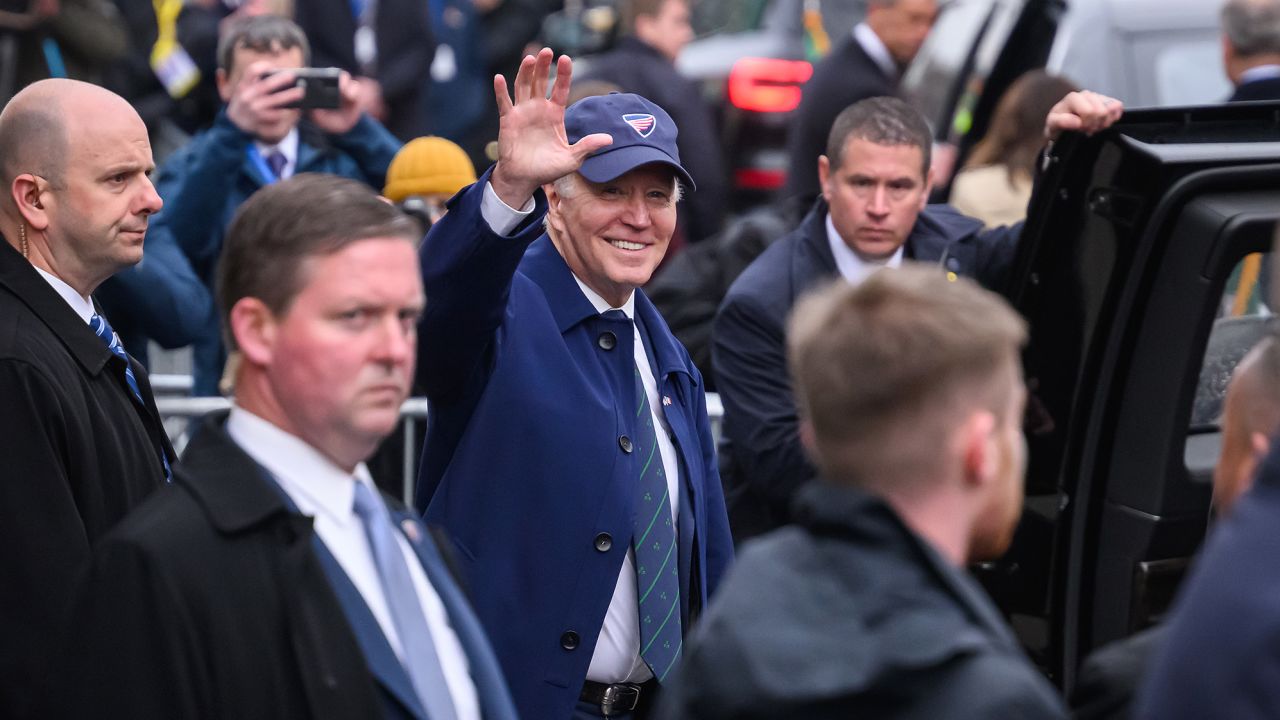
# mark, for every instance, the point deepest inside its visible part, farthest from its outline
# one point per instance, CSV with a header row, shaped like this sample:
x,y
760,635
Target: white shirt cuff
x,y
499,216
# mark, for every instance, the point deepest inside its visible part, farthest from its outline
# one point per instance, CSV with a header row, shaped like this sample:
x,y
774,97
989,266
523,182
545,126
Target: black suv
x,y
1129,273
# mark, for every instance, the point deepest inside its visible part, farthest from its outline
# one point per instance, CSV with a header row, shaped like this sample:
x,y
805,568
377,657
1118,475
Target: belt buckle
x,y
619,699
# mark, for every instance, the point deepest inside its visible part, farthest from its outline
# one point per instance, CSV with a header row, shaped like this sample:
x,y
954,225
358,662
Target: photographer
x,y
262,135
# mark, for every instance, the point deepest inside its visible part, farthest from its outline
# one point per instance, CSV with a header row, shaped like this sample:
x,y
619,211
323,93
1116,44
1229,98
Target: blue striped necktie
x,y
654,540
103,330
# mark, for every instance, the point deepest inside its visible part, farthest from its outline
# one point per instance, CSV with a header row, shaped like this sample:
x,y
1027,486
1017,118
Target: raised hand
x,y
533,148
345,117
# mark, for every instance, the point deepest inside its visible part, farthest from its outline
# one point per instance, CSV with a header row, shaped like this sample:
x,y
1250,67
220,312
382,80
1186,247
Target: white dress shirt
x,y
1259,72
876,48
81,304
325,492
288,147
617,654
853,268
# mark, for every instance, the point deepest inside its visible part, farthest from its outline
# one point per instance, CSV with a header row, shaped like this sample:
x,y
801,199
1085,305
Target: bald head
x,y
37,125
1250,417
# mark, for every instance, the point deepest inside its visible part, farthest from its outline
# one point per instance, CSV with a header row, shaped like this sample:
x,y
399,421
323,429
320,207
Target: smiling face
x,y
613,234
875,195
341,355
99,210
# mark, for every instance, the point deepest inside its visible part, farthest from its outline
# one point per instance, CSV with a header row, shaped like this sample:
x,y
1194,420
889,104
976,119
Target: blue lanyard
x,y
259,162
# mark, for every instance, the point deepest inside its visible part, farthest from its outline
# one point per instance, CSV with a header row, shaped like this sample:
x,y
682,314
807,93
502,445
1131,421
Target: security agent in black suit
x,y
1251,48
873,214
80,437
271,579
864,64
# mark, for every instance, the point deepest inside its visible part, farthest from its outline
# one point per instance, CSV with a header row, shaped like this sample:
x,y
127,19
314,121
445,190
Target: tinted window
x,y
1242,317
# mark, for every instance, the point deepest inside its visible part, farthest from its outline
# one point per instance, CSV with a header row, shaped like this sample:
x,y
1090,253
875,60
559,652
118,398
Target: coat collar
x,y
544,265
227,483
17,274
939,236
830,510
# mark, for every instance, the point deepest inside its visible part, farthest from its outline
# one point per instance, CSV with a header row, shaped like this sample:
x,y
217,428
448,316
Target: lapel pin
x,y
411,530
666,401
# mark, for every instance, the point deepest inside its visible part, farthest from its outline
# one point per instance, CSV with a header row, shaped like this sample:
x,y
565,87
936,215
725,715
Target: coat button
x,y
604,541
607,340
624,442
569,640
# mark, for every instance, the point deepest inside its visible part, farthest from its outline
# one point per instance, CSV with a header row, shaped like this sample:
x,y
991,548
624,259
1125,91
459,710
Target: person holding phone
x,y
272,126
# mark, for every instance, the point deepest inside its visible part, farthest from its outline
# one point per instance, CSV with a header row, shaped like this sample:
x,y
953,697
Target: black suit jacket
x,y
220,601
841,79
1263,89
761,460
638,68
77,452
406,47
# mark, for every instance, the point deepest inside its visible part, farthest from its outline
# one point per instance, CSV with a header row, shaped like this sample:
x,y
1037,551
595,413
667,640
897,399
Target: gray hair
x,y
883,121
568,186
1252,26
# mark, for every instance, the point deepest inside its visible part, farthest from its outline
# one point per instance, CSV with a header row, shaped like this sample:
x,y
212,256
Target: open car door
x,y
1140,274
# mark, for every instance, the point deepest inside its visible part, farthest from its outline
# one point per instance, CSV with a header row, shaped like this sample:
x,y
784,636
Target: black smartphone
x,y
320,87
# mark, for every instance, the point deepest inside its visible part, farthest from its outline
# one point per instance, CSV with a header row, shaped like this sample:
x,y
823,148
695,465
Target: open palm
x,y
533,148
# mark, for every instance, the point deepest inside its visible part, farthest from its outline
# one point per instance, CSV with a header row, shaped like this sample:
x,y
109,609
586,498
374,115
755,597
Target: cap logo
x,y
642,123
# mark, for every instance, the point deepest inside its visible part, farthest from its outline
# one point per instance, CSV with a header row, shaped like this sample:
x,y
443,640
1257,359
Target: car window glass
x,y
1242,318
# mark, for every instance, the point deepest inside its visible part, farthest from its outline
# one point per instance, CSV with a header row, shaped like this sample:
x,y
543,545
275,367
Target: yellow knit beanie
x,y
428,165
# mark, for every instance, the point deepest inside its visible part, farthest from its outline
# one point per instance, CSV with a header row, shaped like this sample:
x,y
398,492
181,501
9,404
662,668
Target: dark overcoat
x,y
77,453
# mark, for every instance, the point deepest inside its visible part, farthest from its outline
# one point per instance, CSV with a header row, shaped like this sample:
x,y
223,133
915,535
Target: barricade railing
x,y
177,410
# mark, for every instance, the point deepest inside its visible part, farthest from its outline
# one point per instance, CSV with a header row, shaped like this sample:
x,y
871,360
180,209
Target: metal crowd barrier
x,y
177,410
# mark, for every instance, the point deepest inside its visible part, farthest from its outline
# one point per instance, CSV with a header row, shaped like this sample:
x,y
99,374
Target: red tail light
x,y
767,84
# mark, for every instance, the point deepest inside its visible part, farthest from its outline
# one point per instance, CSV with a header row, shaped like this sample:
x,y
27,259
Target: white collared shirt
x,y
325,492
853,268
876,48
288,147
81,304
1259,72
617,653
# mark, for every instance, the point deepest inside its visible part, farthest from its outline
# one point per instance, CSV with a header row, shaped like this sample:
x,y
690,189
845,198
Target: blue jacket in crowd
x,y
526,466
206,181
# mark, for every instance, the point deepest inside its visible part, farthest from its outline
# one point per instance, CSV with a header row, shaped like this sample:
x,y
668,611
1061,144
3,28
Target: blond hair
x,y
886,370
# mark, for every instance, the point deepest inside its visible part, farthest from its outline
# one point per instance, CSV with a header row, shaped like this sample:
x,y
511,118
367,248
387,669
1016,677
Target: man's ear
x,y
977,446
28,192
255,329
824,173
1260,444
929,178
224,85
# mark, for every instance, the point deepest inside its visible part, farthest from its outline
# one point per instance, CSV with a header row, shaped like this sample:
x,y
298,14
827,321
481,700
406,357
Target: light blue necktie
x,y
103,330
419,651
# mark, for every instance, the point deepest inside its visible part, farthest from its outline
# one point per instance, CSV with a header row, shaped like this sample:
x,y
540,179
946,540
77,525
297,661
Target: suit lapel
x,y
495,699
382,660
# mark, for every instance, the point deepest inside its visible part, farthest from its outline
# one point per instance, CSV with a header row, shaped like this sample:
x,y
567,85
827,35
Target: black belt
x,y
616,699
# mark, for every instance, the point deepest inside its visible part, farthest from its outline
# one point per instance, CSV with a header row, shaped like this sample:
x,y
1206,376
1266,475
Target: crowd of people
x,y
573,548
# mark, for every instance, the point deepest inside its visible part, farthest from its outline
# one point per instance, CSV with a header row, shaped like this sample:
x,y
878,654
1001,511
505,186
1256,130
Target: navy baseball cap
x,y
642,133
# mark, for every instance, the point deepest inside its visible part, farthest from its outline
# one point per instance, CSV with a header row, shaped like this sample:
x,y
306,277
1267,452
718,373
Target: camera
x,y
320,87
